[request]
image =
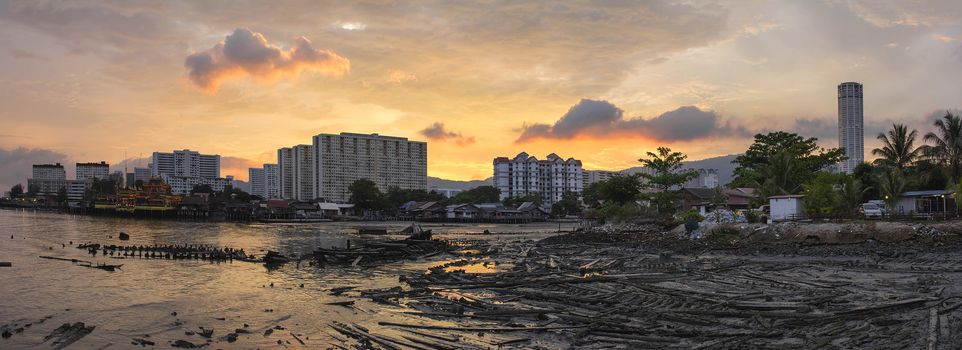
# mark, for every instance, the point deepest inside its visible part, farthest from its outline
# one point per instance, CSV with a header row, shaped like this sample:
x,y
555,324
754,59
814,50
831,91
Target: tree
x,y
898,148
820,196
947,145
793,159
480,194
618,188
851,195
568,205
867,175
366,196
16,191
891,186
665,176
139,184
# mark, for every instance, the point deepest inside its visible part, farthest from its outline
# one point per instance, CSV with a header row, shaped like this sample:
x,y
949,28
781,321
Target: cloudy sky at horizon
x,y
600,81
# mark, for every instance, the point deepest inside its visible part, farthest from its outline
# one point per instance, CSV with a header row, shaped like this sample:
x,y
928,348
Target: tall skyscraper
x,y
851,133
388,161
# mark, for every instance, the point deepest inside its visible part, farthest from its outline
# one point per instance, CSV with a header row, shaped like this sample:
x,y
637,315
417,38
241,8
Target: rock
x,y
183,344
230,337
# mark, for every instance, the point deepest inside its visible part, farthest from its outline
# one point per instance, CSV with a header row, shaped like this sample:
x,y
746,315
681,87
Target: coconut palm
x,y
947,144
891,186
898,148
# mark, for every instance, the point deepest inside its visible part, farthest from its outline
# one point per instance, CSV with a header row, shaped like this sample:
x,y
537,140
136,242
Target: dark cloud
x,y
437,132
601,118
16,165
245,52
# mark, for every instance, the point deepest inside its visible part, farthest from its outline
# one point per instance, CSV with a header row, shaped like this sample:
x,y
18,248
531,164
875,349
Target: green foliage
x,y
139,184
516,201
691,215
867,175
891,186
233,194
568,205
16,191
480,194
366,196
947,145
665,174
898,149
104,186
779,162
821,198
619,188
615,212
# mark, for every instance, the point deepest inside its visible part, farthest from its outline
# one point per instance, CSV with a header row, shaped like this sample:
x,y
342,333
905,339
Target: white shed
x,y
787,207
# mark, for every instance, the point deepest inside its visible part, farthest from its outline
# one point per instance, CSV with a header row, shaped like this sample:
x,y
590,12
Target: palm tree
x,y
891,186
898,148
947,147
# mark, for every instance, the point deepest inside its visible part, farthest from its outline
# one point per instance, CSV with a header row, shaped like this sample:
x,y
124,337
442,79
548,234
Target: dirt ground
x,y
785,286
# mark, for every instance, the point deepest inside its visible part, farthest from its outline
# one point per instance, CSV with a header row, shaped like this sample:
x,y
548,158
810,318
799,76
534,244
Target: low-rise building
x,y
787,207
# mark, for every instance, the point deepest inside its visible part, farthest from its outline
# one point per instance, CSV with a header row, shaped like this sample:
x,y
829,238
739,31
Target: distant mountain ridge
x,y
723,163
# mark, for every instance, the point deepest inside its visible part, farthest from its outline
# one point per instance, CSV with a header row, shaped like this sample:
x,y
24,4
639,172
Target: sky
x,y
601,81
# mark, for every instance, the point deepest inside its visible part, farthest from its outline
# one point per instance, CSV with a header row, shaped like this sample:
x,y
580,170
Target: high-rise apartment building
x,y
142,174
593,176
264,181
388,161
49,172
183,170
271,181
550,178
87,171
304,173
295,173
285,178
255,177
851,133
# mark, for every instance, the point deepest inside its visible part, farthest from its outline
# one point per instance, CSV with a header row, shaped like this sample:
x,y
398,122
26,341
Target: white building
x,y
851,134
304,180
49,172
183,170
271,181
787,207
87,171
185,163
255,177
593,176
285,167
447,192
388,161
263,181
707,178
550,178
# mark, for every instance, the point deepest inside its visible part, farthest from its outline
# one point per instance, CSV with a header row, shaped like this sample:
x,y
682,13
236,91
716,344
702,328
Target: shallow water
x,y
140,299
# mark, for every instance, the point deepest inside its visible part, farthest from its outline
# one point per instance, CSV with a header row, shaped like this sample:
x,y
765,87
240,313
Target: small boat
x,y
275,258
106,267
124,236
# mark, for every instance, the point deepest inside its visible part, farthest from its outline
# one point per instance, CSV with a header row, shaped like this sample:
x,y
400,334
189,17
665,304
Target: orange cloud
x,y
245,52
